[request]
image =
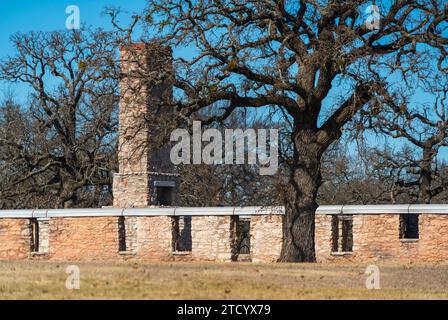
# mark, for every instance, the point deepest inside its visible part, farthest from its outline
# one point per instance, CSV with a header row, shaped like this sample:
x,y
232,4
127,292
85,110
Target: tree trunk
x,y
425,183
300,202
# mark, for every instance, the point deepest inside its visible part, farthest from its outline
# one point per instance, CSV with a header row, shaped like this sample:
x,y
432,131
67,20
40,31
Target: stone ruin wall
x,y
69,236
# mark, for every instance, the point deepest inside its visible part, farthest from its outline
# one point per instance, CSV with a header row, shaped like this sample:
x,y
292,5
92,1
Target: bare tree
x,y
288,56
66,142
354,175
230,185
18,140
424,130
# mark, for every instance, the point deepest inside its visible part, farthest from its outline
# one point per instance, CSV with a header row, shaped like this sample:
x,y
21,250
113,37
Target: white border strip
x,y
329,210
141,212
376,209
16,214
103,212
428,208
204,211
441,209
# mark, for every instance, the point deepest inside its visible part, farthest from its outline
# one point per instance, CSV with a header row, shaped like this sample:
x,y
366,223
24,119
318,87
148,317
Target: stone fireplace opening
x,y
164,193
164,196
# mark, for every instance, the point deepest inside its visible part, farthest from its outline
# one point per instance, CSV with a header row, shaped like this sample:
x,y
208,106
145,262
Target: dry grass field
x,y
181,280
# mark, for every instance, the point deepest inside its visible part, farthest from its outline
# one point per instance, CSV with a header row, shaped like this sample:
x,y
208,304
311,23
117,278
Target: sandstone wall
x,y
323,241
131,190
212,237
83,238
266,237
14,239
376,237
433,242
154,237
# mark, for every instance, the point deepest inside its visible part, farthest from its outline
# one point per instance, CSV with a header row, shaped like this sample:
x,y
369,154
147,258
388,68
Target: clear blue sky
x,y
46,15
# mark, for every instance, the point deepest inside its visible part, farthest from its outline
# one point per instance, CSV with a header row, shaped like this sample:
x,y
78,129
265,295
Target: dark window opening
x,y
121,234
182,241
164,196
409,226
242,250
342,233
34,226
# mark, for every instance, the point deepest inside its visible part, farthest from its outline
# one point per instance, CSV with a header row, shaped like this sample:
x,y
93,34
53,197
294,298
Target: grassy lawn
x,y
181,280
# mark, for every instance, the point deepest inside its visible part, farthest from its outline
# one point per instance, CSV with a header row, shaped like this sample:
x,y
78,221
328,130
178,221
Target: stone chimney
x,y
146,175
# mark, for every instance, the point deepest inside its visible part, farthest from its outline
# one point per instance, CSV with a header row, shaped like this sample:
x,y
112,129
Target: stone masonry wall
x,y
131,190
375,237
266,237
433,242
83,238
212,237
14,239
154,238
322,239
97,238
